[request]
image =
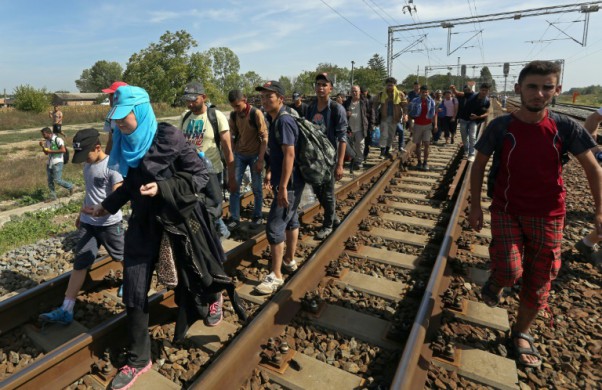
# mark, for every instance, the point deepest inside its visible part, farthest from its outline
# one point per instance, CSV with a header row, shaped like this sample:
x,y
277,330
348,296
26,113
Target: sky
x,y
49,44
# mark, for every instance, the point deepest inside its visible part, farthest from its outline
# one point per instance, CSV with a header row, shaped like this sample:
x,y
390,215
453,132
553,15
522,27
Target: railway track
x,y
389,300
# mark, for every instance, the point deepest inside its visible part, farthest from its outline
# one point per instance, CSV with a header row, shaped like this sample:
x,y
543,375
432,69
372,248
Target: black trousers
x,y
139,353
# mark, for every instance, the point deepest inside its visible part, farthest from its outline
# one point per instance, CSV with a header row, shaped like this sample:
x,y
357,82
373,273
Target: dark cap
x,y
193,90
272,86
296,95
114,87
83,142
424,88
324,76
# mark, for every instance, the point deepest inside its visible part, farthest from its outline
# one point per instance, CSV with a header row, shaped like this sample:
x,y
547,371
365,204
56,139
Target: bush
x,y
27,98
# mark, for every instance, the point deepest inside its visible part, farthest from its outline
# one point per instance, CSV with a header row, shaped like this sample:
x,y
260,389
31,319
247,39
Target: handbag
x,y
166,265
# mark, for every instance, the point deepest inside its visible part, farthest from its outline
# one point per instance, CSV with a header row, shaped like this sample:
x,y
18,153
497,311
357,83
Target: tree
x,y
287,84
304,83
225,66
377,64
164,68
249,81
99,76
27,98
340,76
486,77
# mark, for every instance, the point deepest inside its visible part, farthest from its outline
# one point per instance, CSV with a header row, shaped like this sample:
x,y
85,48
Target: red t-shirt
x,y
422,119
529,181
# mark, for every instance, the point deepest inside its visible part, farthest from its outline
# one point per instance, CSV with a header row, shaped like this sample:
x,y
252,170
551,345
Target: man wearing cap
x,y
198,125
54,147
107,231
110,125
298,105
331,117
283,222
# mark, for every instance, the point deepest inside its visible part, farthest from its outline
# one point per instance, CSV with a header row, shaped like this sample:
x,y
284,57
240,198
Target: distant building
x,y
75,99
7,102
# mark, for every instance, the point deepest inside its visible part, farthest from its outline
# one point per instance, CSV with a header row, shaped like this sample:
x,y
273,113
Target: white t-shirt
x,y
200,133
355,120
54,143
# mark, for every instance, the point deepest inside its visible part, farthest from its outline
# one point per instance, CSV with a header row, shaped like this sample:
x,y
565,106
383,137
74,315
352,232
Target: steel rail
x,y
407,367
243,352
17,309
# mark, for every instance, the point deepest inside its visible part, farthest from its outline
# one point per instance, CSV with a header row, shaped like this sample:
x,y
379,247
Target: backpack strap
x,y
216,134
186,116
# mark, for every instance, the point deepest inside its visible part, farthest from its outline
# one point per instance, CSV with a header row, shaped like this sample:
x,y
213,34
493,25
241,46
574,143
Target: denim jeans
x,y
55,174
241,163
468,131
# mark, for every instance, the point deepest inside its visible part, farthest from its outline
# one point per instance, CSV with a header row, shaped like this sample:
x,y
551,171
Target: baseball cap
x,y
296,95
83,142
272,86
192,90
324,76
114,87
125,99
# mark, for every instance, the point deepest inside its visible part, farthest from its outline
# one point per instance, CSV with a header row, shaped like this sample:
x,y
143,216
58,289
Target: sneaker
x,y
120,291
471,158
215,312
323,233
289,267
269,285
72,190
127,375
425,167
257,221
233,224
57,316
403,150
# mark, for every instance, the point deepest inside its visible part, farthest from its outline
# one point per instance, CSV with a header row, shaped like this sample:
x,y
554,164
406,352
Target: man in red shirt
x,y
528,207
422,110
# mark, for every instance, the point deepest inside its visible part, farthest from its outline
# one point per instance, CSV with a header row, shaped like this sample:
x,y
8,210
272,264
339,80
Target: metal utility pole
x,y
352,63
584,8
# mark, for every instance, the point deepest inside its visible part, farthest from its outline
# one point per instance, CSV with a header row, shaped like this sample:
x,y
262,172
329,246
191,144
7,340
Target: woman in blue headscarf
x,y
162,177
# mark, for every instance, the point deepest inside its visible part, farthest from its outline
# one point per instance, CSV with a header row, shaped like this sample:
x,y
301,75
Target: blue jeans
x,y
468,131
241,163
55,174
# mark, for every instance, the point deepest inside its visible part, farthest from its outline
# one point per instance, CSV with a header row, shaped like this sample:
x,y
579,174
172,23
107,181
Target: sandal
x,y
525,351
490,298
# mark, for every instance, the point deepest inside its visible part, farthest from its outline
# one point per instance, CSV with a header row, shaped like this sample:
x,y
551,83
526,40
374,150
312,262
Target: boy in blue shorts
x,y
107,231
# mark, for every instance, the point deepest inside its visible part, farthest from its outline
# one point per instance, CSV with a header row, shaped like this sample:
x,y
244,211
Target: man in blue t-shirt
x,y
286,182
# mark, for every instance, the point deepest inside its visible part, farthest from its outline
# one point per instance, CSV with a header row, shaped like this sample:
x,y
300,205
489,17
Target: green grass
x,y
12,119
32,227
584,100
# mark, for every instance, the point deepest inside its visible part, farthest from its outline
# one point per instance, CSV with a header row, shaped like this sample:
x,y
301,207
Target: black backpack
x,y
66,154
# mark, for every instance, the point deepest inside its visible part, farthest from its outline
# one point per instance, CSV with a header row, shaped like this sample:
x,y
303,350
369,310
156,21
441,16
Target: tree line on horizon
x,y
164,67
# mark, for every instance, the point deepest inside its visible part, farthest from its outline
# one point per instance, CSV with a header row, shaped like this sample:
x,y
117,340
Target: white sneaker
x,y
471,158
289,267
269,285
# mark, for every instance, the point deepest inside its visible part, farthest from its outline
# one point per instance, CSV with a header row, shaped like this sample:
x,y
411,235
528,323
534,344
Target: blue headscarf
x,y
128,149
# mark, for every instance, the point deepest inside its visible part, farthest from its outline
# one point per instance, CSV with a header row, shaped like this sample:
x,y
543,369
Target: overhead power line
x,y
351,23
